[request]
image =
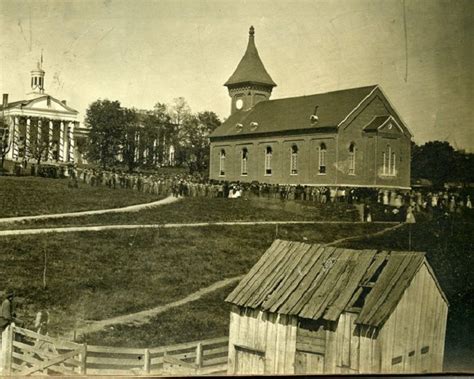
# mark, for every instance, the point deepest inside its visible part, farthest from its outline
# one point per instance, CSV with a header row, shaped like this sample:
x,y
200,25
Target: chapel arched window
x,y
222,163
243,161
322,158
294,160
352,158
268,160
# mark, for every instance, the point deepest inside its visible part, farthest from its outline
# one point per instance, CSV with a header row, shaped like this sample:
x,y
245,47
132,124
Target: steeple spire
x,y
251,69
250,82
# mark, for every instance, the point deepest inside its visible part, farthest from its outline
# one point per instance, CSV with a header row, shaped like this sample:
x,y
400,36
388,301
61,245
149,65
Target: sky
x,y
142,52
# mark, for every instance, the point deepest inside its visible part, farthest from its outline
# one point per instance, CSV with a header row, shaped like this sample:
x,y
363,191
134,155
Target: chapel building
x,y
352,137
40,128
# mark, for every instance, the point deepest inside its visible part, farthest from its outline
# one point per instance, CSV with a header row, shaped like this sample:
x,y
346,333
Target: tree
x,y
158,126
438,162
179,114
107,122
195,139
130,143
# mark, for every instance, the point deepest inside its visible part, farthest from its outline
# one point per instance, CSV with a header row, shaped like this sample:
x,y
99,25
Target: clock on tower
x,y
250,83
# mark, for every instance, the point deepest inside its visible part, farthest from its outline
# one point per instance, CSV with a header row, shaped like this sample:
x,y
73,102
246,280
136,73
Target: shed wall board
x,y
419,320
275,335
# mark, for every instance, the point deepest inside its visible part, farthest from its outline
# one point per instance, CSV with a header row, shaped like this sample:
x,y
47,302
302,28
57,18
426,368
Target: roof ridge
x,y
316,94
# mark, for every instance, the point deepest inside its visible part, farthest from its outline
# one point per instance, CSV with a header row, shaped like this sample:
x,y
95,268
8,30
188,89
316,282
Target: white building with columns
x,y
41,128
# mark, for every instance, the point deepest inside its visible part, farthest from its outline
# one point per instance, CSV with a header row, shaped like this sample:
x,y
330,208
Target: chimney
x,y
5,100
64,102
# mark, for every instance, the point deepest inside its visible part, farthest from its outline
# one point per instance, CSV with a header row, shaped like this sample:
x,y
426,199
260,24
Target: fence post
x,y
146,364
83,359
7,350
199,355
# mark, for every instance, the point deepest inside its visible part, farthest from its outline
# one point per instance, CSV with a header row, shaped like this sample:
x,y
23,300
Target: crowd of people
x,y
183,185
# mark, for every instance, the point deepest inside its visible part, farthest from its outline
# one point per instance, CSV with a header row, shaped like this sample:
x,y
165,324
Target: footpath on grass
x,y
143,317
130,208
99,228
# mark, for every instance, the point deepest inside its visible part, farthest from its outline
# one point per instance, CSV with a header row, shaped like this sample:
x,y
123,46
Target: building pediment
x,y
48,103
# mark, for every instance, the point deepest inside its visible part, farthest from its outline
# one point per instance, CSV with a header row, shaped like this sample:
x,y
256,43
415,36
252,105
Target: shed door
x,y
309,363
249,361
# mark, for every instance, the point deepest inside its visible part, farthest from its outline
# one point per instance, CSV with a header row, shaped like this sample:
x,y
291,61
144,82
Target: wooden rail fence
x,y
25,352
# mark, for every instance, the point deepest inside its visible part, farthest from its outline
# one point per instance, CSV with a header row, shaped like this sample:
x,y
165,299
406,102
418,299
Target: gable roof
x,y
294,113
24,103
317,281
250,68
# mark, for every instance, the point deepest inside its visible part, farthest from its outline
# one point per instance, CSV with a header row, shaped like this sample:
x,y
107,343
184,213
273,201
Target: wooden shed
x,y
314,309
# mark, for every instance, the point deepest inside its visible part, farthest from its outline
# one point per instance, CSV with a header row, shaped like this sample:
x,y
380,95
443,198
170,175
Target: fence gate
x,y
25,352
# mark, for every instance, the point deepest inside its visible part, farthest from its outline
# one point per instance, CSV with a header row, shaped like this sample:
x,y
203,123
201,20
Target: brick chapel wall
x,y
307,161
369,154
370,147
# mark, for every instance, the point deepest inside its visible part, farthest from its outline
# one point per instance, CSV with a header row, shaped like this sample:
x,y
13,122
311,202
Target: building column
x,y
39,138
15,137
70,138
66,143
27,138
61,142
50,140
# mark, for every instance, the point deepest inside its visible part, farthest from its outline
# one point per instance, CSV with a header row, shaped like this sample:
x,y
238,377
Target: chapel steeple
x,y
250,83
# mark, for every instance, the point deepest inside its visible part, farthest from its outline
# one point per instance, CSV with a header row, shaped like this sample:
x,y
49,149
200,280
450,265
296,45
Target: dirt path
x,y
143,317
379,233
98,228
130,208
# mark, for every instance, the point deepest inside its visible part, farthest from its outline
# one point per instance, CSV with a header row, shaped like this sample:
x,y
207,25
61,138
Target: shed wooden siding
x,y
271,334
351,348
381,312
419,321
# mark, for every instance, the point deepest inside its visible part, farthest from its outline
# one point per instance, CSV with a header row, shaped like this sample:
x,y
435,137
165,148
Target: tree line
x,y
144,138
440,163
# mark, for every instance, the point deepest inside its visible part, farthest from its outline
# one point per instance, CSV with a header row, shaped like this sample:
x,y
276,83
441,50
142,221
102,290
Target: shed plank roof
x,y
290,283
342,300
306,287
312,308
317,281
275,276
248,282
393,297
388,279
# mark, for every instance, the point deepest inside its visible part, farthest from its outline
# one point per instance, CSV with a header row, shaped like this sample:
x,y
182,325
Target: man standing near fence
x,y
8,314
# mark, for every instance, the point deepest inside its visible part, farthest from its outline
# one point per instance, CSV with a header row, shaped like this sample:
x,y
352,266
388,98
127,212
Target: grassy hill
x,y
449,244
96,275
25,196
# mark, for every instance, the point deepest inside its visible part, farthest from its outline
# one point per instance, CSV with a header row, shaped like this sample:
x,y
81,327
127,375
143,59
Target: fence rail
x,y
25,352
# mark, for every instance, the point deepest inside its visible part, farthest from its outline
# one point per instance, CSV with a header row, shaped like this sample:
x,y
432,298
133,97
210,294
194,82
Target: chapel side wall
x,y
412,339
307,163
370,147
272,333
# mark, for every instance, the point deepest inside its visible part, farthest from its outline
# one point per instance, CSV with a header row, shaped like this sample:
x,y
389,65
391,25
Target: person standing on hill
x,y
8,314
